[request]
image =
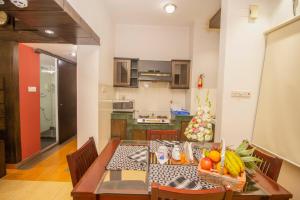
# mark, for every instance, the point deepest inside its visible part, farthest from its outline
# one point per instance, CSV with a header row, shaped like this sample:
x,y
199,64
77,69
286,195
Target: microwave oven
x,y
123,105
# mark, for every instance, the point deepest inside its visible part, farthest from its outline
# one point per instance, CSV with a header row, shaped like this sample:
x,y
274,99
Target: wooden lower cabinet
x,y
2,159
184,125
171,135
119,128
139,134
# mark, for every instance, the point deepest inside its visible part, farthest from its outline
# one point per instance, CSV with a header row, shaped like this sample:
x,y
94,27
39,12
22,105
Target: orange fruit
x,y
215,156
218,168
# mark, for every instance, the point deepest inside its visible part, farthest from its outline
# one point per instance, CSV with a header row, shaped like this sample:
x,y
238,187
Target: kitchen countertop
x,y
132,124
130,116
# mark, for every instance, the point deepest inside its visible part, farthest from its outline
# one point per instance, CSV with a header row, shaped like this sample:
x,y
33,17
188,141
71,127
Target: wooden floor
x,y
47,179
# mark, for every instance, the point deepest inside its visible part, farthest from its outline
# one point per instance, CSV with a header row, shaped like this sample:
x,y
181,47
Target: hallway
x,y
48,176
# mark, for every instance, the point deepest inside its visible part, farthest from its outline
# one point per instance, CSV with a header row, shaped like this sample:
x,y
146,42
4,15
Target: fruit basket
x,y
236,183
228,167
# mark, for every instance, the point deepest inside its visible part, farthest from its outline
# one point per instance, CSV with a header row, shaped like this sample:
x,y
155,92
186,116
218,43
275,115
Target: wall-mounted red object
x,y
200,81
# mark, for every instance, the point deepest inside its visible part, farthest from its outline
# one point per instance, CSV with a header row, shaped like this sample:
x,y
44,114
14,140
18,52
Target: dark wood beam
x,y
9,70
29,24
215,21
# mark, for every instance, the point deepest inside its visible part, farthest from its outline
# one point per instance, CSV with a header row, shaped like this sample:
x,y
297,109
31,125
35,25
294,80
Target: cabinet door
x,y
122,72
184,125
119,128
2,159
139,135
180,74
162,135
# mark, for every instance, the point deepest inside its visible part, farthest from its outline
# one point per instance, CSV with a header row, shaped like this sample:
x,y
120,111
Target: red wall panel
x,y
29,75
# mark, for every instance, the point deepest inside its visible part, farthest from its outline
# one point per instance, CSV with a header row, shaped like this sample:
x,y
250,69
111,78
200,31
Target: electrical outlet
x,y
31,89
241,94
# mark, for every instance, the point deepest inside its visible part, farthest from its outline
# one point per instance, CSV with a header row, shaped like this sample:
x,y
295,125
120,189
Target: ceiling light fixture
x,y
48,31
73,54
170,8
20,3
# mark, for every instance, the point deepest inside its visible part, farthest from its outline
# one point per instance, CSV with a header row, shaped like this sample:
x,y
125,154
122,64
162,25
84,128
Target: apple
x,y
206,164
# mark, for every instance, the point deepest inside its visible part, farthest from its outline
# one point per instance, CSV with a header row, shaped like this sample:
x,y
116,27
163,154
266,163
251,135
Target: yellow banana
x,y
231,164
238,161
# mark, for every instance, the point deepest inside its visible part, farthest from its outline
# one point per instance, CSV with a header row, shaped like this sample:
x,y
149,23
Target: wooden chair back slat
x,y
81,160
171,135
169,193
270,164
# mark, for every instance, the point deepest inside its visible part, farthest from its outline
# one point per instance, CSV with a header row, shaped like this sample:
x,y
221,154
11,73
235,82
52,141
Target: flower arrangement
x,y
200,127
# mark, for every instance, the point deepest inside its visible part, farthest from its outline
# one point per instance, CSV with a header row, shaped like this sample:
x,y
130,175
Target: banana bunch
x,y
234,163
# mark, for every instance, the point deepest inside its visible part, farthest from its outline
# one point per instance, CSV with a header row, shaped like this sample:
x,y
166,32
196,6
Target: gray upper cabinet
x,y
128,72
122,72
180,74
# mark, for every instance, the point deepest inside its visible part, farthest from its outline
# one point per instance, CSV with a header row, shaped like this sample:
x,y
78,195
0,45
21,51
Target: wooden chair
x,y
81,160
164,193
171,135
270,164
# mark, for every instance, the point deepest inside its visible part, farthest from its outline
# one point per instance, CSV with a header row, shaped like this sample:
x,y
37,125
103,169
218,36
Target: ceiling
x,y
62,50
150,12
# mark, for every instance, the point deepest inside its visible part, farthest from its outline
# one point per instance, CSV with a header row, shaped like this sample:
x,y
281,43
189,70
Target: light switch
x,y
31,89
241,94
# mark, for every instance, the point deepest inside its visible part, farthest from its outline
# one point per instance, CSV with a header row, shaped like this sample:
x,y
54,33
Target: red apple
x,y
206,164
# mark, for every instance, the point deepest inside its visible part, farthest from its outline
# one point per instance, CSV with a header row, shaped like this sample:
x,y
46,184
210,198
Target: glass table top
x,y
124,182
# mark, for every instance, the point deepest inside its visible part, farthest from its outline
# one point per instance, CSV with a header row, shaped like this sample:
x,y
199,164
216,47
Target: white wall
x,y
87,93
282,11
241,61
154,99
99,19
152,42
205,60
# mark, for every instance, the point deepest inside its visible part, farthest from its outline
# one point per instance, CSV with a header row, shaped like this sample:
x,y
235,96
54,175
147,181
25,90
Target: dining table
x,y
125,169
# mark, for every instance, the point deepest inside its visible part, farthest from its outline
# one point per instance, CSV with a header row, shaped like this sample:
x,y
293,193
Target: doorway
x,y
48,101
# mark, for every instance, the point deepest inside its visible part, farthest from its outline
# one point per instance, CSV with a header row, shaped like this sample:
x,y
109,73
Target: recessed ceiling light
x,y
170,8
48,31
73,54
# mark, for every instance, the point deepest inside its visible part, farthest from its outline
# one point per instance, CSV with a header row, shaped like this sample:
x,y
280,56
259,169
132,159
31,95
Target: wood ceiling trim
x,y
215,21
35,5
78,19
57,15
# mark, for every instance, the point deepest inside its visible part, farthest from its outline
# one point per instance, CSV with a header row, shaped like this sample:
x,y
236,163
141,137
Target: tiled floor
x,y
47,179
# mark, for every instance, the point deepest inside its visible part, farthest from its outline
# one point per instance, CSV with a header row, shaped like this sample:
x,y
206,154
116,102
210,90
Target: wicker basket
x,y
236,184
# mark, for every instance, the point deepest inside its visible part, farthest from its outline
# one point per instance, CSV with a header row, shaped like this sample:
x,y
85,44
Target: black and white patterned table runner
x,y
121,160
140,155
164,174
181,182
